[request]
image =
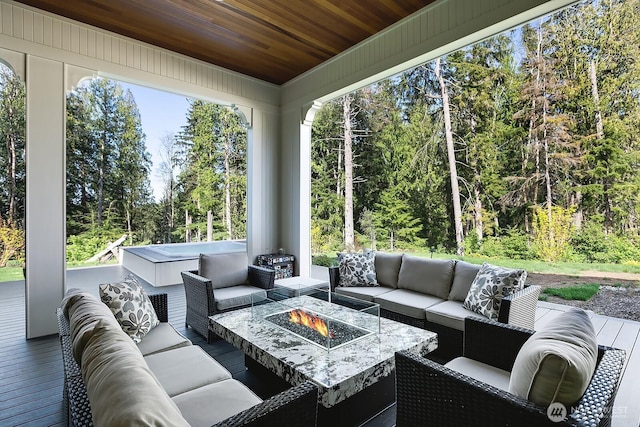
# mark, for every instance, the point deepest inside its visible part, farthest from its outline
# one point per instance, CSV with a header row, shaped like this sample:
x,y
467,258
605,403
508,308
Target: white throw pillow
x,y
492,283
131,306
357,269
557,362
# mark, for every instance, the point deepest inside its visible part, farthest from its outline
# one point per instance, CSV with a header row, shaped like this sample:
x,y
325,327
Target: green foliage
x,y
591,244
324,260
83,246
11,243
513,245
580,293
552,233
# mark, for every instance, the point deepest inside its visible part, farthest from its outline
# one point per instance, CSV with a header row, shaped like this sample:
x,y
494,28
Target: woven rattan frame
x,y
295,407
428,393
200,297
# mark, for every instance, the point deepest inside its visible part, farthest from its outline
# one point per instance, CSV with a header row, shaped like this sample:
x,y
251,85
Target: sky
x,y
161,113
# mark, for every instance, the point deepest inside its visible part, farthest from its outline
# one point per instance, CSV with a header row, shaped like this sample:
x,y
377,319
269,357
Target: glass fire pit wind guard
x,y
322,318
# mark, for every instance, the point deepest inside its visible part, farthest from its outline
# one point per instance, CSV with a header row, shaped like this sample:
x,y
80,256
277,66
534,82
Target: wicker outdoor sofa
x,y
296,406
222,282
429,393
429,294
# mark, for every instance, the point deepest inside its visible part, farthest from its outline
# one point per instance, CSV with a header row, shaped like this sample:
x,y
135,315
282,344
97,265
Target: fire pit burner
x,y
318,329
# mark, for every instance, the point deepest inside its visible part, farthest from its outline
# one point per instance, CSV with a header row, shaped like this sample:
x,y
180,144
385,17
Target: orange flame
x,y
301,317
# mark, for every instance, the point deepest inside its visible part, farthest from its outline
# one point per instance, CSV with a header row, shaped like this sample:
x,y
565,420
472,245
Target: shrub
x,y
324,260
83,246
591,244
552,232
11,243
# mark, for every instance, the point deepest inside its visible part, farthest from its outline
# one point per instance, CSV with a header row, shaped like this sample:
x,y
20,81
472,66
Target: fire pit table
x,y
340,343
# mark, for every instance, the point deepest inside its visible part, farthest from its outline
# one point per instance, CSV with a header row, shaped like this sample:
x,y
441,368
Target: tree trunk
x,y
101,167
453,170
209,226
349,238
227,189
478,212
129,230
187,223
606,193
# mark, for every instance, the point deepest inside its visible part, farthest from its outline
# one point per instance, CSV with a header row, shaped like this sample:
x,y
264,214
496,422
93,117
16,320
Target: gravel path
x,y
619,294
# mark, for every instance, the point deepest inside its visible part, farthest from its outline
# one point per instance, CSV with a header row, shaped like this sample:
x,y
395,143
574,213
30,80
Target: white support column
x,y
262,182
45,200
308,114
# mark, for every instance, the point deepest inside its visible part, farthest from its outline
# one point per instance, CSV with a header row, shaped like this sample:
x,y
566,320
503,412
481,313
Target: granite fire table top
x,y
340,372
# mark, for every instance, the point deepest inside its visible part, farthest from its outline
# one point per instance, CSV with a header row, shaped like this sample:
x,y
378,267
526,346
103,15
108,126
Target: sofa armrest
x,y
519,308
199,293
334,277
159,302
261,277
493,343
294,407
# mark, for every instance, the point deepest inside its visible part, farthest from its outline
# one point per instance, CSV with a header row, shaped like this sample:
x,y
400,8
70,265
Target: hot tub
x,y
160,265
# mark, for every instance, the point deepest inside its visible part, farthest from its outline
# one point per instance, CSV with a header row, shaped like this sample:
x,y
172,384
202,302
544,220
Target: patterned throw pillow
x,y
131,306
357,269
491,284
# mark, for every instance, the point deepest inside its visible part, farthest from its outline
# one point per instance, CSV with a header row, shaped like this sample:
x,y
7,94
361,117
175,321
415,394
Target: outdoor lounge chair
x,y
431,394
222,282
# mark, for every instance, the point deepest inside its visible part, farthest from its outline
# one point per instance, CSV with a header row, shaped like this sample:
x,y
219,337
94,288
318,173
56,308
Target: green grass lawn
x,y
9,274
581,293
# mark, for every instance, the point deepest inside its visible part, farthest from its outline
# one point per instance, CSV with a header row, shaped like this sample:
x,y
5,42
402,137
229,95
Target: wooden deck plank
x,y
609,331
626,408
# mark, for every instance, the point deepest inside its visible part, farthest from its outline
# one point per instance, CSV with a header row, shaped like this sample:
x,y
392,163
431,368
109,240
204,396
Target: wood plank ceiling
x,y
272,40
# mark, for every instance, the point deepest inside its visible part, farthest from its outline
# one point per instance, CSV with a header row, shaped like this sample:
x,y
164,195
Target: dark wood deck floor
x,y
31,370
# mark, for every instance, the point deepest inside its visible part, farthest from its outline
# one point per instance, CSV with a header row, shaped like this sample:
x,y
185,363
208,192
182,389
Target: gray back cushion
x,y
462,280
425,275
225,270
388,268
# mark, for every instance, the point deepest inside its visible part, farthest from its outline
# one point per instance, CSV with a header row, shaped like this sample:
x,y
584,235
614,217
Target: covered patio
x,y
53,54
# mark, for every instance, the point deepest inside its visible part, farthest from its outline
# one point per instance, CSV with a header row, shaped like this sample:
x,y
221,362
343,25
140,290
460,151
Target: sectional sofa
x,y
429,293
163,380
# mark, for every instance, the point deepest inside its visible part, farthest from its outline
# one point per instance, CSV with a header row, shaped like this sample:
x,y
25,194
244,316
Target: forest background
x,y
523,146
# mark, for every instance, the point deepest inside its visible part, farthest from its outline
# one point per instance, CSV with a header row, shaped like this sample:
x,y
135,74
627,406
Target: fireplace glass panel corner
x,y
323,318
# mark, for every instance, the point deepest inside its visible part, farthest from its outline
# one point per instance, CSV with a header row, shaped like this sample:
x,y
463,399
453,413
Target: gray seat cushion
x,y
464,274
213,403
184,369
409,303
388,268
235,296
481,372
450,314
224,270
427,276
366,293
162,338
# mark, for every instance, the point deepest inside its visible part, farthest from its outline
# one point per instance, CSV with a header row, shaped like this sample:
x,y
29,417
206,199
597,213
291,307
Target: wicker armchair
x,y
205,299
430,394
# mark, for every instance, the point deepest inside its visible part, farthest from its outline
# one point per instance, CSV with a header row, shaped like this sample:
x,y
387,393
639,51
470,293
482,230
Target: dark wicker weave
x,y
518,308
428,393
295,407
200,297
